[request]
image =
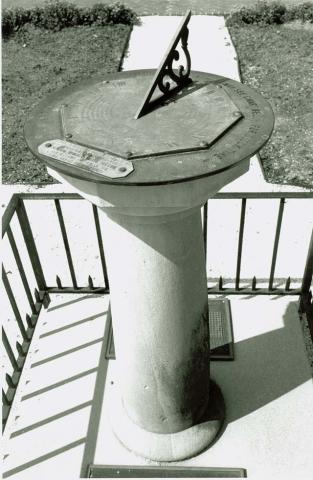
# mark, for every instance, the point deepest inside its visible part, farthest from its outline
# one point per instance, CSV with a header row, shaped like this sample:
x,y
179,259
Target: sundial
x,y
148,148
146,127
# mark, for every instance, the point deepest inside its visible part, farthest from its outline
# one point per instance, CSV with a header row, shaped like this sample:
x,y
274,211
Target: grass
x,y
162,7
36,62
277,61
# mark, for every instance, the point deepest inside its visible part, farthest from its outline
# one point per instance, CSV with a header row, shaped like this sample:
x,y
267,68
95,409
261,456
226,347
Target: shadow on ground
x,y
265,368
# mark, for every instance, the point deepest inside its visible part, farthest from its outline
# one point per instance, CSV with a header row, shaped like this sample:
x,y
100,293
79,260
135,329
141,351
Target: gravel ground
x,y
37,62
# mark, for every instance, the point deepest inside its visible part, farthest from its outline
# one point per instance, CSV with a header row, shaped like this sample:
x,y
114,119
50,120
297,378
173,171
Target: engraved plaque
x,y
86,158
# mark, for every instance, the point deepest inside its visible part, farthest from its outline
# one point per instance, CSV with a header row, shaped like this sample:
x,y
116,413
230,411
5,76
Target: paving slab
x,y
57,425
268,393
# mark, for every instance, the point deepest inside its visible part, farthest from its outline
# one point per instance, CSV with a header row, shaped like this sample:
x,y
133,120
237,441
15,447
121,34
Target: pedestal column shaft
x,y
156,268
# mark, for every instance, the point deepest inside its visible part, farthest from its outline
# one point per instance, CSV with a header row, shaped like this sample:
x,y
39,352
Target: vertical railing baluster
x,y
65,241
205,228
9,350
21,270
240,241
100,245
13,303
30,245
276,242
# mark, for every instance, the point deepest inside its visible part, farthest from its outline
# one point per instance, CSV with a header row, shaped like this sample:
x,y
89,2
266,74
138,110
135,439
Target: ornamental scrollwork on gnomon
x,y
182,77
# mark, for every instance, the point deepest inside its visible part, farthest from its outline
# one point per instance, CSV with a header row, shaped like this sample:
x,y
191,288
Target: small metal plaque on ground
x,y
221,332
130,471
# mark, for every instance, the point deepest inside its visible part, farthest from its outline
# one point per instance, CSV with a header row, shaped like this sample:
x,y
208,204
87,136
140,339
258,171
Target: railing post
x,y
240,241
100,245
21,270
276,242
9,212
30,245
14,306
65,242
205,228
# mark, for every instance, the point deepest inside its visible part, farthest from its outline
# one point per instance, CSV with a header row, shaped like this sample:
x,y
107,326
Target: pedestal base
x,y
174,446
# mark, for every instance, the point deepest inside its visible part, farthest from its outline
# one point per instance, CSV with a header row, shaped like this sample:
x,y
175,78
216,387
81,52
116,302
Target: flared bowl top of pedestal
x,y
89,130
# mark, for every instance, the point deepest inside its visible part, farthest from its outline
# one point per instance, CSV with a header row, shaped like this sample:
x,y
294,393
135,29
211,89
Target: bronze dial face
x,y
208,126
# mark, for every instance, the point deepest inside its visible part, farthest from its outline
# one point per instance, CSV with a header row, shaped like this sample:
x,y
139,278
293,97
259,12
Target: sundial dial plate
x,y
166,145
103,117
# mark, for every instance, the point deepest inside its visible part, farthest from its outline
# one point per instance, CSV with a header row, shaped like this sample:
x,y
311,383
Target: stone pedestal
x,y
156,268
164,406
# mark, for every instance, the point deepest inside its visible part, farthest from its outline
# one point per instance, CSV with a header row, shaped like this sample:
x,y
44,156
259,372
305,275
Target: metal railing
x,y
41,290
270,289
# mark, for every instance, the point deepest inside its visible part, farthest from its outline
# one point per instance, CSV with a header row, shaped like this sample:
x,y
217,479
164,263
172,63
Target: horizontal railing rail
x,y
38,295
17,204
